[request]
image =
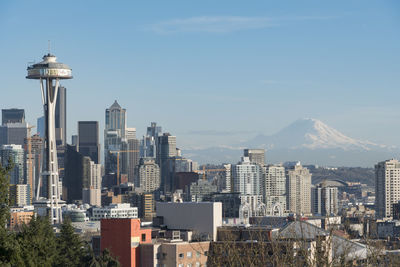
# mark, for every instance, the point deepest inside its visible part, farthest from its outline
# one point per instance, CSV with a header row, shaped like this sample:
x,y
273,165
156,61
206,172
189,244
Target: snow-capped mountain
x,y
310,134
308,140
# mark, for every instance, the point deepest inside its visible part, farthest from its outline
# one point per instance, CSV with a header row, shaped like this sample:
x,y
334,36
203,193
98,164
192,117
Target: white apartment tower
x,y
275,189
387,187
247,178
298,190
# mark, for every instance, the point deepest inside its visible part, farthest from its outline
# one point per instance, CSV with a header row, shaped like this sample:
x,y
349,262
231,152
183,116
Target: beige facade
x,y
180,254
299,190
149,175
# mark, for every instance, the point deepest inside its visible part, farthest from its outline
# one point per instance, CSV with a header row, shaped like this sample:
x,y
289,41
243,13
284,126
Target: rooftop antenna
x,y
48,46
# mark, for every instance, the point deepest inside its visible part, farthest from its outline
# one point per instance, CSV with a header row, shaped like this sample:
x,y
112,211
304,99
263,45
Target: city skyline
x,y
218,65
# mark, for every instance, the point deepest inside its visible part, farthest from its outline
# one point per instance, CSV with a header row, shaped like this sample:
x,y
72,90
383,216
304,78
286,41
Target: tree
x,y
8,245
37,243
72,251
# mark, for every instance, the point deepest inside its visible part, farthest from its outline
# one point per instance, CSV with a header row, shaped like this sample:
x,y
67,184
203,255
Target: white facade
x,y
275,189
387,187
299,190
202,217
247,178
115,211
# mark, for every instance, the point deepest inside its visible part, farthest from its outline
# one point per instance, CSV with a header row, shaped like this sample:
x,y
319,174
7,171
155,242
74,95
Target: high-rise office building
x,y
387,187
148,145
298,181
12,115
40,126
114,135
61,116
256,156
275,189
20,195
37,152
247,178
16,154
149,175
14,133
88,136
166,149
324,200
91,192
74,175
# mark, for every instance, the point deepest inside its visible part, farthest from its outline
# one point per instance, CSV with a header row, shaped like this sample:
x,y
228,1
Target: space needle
x,y
49,72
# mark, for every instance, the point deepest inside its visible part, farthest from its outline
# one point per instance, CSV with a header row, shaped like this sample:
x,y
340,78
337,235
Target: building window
x,y
181,256
189,254
180,265
197,254
143,237
197,264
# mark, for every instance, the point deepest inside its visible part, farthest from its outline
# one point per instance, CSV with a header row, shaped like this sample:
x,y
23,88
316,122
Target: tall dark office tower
x,y
61,116
88,136
166,149
12,115
74,175
148,145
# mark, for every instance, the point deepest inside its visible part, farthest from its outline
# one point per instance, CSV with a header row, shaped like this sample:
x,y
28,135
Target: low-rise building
x,y
115,211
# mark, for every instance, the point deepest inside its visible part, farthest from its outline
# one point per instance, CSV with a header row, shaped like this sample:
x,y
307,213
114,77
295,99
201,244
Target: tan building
x,y
149,175
18,218
299,190
180,254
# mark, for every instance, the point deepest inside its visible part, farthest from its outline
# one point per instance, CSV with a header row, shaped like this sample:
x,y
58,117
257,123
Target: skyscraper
x,y
166,149
275,189
149,175
148,145
247,178
88,136
256,156
14,133
40,126
16,154
61,116
387,187
114,135
12,115
298,181
324,200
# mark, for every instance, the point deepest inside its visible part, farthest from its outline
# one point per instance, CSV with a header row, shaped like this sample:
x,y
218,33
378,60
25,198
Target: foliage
x,y
36,244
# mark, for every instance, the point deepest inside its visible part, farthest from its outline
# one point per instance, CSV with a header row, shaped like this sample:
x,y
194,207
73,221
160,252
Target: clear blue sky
x,y
213,71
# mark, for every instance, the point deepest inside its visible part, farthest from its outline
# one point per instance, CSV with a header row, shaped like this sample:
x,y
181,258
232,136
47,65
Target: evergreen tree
x,y
37,244
72,251
106,260
8,245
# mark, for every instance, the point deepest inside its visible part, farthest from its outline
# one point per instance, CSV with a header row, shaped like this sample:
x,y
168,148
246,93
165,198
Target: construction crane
x,y
204,171
118,152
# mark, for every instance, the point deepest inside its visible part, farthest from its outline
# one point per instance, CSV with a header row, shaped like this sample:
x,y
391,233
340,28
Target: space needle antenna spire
x,y
49,72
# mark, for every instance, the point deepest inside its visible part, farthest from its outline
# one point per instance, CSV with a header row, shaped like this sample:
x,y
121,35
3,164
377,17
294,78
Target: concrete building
x,y
252,206
275,190
298,181
61,117
12,115
202,217
247,178
88,140
149,175
174,253
121,210
123,238
16,154
19,217
324,200
230,203
256,156
387,187
20,195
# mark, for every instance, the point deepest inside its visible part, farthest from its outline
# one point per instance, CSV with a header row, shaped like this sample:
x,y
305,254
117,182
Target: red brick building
x,y
122,238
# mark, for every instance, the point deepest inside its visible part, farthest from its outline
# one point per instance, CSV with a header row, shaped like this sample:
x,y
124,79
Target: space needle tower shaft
x,y
49,72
